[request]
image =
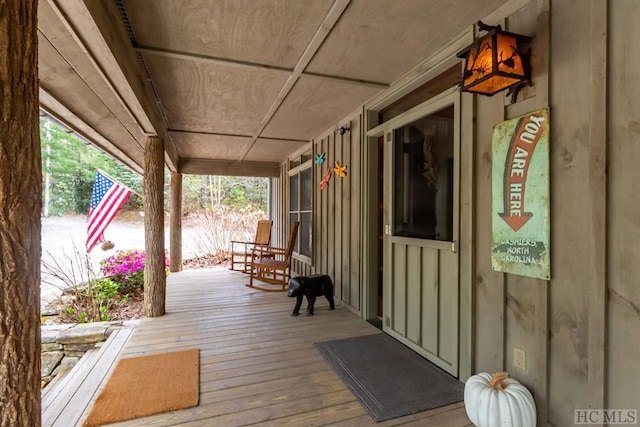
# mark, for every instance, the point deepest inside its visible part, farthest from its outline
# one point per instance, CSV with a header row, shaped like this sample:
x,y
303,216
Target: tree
x,y
244,191
237,192
20,205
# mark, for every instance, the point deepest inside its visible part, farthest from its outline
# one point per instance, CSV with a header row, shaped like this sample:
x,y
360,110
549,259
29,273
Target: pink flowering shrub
x,y
127,268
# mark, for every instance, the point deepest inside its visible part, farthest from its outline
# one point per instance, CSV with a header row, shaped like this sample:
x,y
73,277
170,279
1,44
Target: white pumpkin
x,y
498,401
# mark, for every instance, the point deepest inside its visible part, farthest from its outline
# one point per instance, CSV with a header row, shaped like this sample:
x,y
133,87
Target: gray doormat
x,y
388,378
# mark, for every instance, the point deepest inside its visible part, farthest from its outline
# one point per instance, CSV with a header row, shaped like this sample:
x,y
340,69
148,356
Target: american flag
x,y
107,199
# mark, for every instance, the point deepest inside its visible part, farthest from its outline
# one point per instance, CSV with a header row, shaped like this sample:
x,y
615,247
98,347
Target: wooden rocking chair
x,y
241,251
273,265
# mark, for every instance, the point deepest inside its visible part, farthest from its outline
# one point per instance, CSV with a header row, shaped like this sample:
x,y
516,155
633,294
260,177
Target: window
x,y
433,87
423,177
301,202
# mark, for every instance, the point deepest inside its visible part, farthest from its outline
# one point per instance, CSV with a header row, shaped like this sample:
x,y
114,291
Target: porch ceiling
x,y
233,81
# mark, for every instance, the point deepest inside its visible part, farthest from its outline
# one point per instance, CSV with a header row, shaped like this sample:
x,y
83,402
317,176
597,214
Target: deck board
x,y
258,365
65,404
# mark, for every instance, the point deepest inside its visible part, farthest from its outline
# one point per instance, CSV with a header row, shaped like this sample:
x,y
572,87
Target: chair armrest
x,y
259,245
247,249
264,250
244,243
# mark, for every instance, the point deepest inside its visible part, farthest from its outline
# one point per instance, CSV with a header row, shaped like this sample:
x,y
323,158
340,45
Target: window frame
x,y
303,161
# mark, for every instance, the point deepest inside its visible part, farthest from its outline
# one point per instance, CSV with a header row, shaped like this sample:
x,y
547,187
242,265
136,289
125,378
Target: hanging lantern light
x,y
498,60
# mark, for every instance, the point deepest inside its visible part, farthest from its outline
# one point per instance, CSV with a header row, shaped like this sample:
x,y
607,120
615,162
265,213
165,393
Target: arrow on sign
x,y
516,169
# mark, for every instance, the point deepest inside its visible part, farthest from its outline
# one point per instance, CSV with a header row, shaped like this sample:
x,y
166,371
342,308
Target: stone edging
x,y
64,344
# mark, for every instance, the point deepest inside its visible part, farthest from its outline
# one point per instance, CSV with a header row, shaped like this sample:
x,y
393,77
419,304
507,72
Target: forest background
x,y
69,167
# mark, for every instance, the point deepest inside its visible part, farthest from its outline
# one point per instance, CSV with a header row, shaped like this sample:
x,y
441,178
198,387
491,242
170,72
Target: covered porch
x,y
254,369
370,87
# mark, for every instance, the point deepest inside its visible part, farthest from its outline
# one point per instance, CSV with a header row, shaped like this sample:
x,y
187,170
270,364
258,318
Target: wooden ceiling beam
x,y
319,37
167,53
228,168
366,83
198,132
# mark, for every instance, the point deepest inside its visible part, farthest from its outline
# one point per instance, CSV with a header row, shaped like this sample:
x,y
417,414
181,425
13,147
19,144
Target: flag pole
x,y
119,183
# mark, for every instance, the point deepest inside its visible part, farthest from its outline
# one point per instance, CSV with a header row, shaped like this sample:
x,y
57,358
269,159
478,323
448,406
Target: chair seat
x,y
267,262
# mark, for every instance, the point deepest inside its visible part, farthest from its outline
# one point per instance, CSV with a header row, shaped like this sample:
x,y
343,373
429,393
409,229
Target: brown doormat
x,y
147,385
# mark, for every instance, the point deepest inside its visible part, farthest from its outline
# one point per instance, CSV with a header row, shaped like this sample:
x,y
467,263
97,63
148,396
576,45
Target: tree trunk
x,y
203,192
20,206
175,232
211,198
47,171
154,274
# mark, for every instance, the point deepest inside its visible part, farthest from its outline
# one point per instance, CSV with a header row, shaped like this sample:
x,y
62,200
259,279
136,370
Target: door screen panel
x,y
423,177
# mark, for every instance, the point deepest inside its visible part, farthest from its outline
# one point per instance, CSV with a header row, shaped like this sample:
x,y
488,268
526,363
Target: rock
x,y
44,381
48,310
65,365
48,337
88,333
49,361
103,325
78,347
51,347
55,320
131,323
74,353
49,333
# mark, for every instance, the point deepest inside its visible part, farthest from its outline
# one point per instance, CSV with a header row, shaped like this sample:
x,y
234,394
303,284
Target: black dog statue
x,y
311,287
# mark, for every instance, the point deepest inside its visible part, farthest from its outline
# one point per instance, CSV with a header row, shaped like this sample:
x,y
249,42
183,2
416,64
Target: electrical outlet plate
x,y
519,358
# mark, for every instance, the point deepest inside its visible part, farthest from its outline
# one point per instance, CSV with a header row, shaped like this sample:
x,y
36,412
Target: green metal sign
x,y
520,180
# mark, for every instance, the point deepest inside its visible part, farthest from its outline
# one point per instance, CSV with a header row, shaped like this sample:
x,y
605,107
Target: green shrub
x,y
92,302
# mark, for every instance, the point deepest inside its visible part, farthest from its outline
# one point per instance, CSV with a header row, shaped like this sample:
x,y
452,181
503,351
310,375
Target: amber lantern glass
x,y
495,62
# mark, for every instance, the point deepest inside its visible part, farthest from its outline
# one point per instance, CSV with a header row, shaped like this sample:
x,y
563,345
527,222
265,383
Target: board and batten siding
x,y
623,249
336,238
580,330
511,311
578,195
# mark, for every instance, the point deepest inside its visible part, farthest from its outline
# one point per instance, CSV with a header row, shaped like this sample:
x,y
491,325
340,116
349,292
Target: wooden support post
x,y
20,206
175,231
154,273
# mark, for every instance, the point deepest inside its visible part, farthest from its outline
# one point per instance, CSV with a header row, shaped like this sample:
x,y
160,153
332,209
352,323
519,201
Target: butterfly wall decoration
x,y
340,170
320,158
325,180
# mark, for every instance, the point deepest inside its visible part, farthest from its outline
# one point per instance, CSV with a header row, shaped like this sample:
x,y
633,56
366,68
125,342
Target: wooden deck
x,y
258,365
